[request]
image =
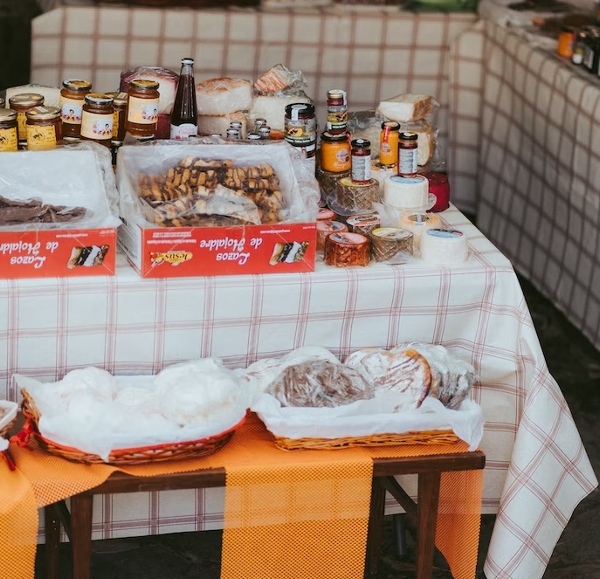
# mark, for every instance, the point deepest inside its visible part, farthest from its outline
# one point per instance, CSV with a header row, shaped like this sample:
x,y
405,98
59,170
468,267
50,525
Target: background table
x,y
537,469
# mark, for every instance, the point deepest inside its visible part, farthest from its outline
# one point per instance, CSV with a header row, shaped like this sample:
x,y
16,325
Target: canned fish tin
x,y
300,124
8,130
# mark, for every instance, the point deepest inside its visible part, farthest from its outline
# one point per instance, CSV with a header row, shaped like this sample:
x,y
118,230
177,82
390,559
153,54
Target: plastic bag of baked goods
x,y
72,186
213,183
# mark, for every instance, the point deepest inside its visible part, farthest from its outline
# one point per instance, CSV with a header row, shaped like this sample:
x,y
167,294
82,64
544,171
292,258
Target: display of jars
x,y
8,130
335,152
361,160
97,118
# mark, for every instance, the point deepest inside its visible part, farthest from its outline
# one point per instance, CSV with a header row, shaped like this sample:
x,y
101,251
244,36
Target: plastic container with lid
x,y
8,130
335,152
72,95
142,108
97,118
44,128
22,103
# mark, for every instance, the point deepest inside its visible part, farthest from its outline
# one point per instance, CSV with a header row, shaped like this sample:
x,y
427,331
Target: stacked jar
x,y
72,99
301,128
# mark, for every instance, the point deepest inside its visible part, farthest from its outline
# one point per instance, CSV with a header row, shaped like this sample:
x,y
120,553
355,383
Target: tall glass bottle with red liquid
x,y
184,121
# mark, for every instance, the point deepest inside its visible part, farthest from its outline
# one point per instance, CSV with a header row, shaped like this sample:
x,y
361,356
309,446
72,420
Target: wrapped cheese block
x,y
167,84
223,96
407,107
218,124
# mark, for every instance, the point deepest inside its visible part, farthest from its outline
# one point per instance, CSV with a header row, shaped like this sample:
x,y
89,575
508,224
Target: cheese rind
x,y
407,107
223,96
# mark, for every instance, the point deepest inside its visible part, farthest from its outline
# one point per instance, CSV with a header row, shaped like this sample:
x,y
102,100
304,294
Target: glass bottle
x,y
184,118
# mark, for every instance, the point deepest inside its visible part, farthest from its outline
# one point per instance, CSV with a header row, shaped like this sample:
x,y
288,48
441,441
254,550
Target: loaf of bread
x,y
406,107
223,96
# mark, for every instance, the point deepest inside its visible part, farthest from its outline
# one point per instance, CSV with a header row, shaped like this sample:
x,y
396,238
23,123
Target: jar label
x,y
8,139
41,137
407,161
116,124
183,131
337,117
300,131
22,126
71,110
142,111
97,127
361,167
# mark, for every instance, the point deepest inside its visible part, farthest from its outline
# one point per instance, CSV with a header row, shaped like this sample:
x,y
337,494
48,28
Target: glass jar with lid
x,y
142,108
97,118
21,103
120,110
408,153
72,98
44,128
8,130
335,152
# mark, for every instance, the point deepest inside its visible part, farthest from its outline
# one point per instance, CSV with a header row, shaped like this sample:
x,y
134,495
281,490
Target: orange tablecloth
x,y
273,499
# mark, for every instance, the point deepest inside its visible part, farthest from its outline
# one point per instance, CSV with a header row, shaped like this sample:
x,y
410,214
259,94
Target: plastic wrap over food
x,y
72,186
95,412
280,80
222,183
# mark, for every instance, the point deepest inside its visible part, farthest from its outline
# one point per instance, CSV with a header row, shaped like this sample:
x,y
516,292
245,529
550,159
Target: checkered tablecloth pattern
x,y
537,469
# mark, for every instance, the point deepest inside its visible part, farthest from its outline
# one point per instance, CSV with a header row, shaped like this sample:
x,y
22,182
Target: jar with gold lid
x,y
142,108
97,118
8,130
72,95
44,128
21,103
120,109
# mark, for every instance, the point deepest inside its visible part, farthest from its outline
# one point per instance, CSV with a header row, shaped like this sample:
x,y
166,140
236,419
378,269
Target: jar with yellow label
x,y
335,152
44,128
8,130
72,98
22,103
97,118
142,108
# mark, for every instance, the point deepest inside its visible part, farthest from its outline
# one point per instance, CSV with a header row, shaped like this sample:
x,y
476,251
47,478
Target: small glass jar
x,y
97,118
566,41
300,124
233,134
72,95
253,137
120,109
22,103
337,111
44,128
388,143
8,130
408,154
265,132
258,123
335,152
142,108
361,161
579,46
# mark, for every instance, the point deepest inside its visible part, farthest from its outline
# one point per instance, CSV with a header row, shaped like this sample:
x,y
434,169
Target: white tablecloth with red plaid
x,y
537,469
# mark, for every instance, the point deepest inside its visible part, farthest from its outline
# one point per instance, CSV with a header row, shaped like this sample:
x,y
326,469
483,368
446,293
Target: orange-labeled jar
x,y
566,41
22,103
388,143
8,130
44,128
142,108
97,118
335,152
72,95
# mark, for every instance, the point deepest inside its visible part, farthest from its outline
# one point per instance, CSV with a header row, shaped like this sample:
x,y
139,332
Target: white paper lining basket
x,y
369,423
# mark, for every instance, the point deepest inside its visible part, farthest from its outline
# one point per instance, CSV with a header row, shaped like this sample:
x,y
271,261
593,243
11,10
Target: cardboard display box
x,y
71,177
156,251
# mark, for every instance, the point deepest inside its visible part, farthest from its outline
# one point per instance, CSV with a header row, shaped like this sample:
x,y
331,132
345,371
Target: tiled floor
x,y
576,366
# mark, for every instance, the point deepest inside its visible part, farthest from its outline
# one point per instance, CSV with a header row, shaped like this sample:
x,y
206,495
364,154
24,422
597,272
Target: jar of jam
x,y
388,143
72,95
142,108
335,152
300,124
120,109
44,128
566,41
579,46
22,103
337,111
408,153
8,130
361,161
97,118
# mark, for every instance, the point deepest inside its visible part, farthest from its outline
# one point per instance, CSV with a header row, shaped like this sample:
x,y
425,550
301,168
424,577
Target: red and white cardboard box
x,y
70,177
232,250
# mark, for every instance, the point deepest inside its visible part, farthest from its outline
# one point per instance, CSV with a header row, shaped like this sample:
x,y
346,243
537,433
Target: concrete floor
x,y
573,362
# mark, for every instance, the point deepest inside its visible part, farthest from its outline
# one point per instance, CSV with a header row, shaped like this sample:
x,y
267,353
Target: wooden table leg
x,y
81,534
427,505
375,528
52,541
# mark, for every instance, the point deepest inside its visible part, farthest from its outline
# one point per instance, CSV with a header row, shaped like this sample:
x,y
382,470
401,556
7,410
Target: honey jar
x,y
8,130
44,128
335,152
22,103
97,118
120,110
142,108
388,143
72,98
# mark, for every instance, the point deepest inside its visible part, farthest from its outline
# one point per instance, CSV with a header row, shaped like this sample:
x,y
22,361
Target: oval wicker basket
x,y
124,456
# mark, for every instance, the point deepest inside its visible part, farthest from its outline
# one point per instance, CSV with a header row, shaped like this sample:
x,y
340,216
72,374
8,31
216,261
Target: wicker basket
x,y
391,439
124,456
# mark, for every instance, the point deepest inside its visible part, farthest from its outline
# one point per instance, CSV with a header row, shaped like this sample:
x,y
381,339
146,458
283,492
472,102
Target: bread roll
x,y
407,107
223,96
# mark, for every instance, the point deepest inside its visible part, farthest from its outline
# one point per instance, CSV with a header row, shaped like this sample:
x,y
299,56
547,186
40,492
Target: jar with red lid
x,y
97,118
72,99
8,130
389,139
44,128
21,103
361,160
142,108
337,111
408,153
335,152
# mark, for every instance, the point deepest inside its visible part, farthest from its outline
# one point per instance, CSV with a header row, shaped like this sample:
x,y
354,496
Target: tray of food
x,y
410,394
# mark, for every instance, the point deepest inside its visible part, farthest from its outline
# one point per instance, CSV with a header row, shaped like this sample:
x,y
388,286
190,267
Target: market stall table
x,y
536,472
